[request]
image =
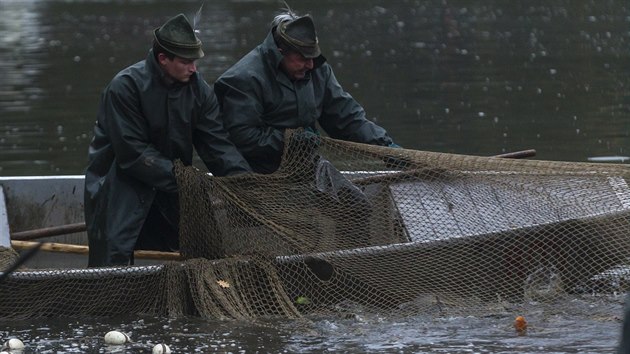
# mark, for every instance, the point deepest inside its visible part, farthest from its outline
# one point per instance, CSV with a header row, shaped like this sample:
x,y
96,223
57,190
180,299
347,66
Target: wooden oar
x,y
48,231
20,241
81,249
518,154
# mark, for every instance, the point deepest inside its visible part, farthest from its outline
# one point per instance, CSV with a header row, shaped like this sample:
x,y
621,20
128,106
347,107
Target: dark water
x,y
469,77
554,332
462,76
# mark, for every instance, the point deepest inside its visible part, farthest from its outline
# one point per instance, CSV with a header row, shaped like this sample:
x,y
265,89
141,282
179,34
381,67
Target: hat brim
x,y
309,48
182,51
308,52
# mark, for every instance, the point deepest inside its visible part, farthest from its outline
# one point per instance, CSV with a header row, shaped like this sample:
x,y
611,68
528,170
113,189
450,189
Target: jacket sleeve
x,y
242,112
213,144
129,135
344,118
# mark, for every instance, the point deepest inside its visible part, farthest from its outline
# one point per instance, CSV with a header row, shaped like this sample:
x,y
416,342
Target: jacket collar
x,y
153,66
156,70
271,52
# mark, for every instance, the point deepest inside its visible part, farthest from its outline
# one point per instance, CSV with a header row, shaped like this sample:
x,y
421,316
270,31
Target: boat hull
x,y
493,258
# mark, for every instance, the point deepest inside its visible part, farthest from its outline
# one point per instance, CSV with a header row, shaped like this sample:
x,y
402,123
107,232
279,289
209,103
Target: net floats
x,y
13,344
161,349
116,338
520,324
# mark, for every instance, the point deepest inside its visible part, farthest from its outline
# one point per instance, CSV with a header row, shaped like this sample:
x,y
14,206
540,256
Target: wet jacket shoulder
x,y
248,97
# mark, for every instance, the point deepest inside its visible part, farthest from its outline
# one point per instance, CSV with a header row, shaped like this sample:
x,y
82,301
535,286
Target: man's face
x,y
295,65
179,69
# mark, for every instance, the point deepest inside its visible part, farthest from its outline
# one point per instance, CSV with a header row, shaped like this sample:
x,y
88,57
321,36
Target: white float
x,y
116,338
161,349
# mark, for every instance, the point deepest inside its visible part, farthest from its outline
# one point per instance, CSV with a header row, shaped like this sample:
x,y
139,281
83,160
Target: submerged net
x,y
397,232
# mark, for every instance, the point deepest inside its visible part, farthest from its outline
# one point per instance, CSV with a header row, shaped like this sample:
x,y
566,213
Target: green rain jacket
x,y
143,125
258,102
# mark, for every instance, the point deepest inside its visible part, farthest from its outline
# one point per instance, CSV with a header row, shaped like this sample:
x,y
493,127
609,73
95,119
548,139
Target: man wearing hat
x,y
285,83
150,114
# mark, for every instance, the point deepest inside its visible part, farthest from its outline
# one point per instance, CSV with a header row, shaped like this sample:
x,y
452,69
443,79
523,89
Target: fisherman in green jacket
x,y
284,83
151,114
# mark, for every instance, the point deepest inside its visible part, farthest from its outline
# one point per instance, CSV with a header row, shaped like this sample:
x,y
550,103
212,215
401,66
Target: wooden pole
x,y
48,231
81,249
518,154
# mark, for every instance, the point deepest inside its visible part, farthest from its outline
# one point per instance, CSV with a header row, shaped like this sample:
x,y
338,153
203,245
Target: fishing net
x,y
344,227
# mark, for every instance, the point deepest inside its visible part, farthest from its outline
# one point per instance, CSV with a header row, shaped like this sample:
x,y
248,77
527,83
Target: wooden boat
x,y
32,207
482,240
36,206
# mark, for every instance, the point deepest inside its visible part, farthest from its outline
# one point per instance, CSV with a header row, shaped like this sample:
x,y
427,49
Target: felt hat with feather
x,y
178,37
300,34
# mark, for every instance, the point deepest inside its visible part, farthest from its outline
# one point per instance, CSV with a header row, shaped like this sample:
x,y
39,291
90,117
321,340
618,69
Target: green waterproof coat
x,y
143,125
258,102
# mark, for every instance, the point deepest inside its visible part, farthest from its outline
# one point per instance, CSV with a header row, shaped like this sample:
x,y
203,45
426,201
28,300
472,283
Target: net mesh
x,y
398,232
